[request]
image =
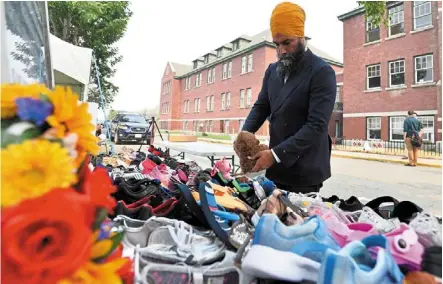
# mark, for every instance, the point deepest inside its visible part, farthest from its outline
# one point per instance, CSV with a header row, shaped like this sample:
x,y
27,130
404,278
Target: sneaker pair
x,y
152,205
132,190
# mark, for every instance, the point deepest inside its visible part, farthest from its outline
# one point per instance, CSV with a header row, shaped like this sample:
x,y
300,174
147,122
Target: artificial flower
x,y
11,92
98,273
34,168
71,116
46,239
33,110
97,185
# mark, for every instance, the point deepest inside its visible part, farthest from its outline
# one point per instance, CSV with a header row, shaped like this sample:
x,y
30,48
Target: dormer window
x,y
195,64
235,45
206,59
219,53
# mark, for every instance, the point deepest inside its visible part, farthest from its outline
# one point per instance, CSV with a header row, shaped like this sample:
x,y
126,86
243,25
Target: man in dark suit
x,y
297,97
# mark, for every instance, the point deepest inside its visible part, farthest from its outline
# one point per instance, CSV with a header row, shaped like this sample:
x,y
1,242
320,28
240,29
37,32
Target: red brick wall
x,y
262,57
357,56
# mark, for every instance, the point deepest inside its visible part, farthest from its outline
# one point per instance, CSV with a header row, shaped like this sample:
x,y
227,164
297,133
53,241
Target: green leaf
x,y
8,138
375,12
116,240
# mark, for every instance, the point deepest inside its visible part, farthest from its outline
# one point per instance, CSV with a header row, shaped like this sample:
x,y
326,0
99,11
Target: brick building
x,y
216,92
390,70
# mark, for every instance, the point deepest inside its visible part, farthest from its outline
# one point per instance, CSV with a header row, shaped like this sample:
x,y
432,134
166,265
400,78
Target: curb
x,y
384,160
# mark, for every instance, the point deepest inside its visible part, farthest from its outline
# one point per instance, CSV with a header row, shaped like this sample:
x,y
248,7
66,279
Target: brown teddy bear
x,y
246,145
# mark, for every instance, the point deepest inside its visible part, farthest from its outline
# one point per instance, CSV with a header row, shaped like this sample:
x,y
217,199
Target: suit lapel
x,y
293,82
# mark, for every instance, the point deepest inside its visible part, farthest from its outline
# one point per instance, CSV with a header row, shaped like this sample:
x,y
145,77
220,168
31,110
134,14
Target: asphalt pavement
x,y
371,179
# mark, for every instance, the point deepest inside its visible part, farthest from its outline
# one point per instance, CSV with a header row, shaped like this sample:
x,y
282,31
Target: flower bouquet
x,y
53,207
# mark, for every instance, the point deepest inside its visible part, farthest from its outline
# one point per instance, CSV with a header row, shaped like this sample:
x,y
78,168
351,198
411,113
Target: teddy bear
x,y
247,145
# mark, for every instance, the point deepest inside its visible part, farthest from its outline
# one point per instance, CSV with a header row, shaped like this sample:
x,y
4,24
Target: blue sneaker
x,y
289,253
354,264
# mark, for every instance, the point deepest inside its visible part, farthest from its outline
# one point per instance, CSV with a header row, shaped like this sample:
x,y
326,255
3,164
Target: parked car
x,y
130,127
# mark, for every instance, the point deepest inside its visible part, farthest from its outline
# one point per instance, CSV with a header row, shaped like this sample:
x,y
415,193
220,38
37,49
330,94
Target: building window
x,y
228,100
338,128
187,83
422,14
396,20
428,127
223,101
396,128
198,79
337,95
250,60
219,53
226,130
185,125
212,102
243,65
373,77
225,71
195,64
372,31
235,45
211,75
248,97
397,73
196,105
373,128
242,98
210,126
208,103
186,109
167,87
424,71
230,69
241,123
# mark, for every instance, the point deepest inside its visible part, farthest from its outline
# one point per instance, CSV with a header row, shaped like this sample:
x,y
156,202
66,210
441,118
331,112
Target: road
x,y
370,179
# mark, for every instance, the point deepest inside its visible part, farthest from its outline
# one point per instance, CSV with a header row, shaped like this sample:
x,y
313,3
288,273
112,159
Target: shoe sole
x,y
268,263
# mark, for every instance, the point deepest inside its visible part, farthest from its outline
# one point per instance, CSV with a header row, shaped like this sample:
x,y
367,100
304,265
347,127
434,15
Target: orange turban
x,y
288,19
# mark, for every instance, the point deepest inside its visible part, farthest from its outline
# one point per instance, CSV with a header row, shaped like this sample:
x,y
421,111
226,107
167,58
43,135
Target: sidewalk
x,y
433,163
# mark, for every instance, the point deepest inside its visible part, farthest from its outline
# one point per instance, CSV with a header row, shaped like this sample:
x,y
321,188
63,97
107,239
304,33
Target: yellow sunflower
x,y
97,273
33,168
71,116
11,92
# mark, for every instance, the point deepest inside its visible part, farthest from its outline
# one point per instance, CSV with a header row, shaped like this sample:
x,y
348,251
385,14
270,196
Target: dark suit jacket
x,y
299,113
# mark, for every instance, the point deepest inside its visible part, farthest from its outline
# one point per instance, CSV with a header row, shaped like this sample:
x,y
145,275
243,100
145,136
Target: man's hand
x,y
265,160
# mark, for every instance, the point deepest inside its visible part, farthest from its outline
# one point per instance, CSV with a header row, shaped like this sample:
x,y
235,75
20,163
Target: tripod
x,y
152,126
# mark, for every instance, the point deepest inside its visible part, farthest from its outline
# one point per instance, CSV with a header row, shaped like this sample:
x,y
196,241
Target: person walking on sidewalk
x,y
413,131
297,97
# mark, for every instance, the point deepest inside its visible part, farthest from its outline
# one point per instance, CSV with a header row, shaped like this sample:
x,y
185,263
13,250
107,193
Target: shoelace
x,y
183,238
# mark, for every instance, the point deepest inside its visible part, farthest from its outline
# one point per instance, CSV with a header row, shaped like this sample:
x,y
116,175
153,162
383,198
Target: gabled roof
x,y
180,69
263,38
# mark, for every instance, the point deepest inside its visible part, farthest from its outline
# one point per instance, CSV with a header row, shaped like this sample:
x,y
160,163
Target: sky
x,y
181,31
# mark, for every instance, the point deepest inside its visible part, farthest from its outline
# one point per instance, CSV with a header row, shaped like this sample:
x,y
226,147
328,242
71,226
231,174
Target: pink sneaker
x,y
224,168
344,234
405,247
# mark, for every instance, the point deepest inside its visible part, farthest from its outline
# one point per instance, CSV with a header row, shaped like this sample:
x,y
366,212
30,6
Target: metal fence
x,y
385,147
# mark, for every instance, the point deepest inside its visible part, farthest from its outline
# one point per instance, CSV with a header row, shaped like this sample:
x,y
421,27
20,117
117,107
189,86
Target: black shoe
x,y
141,213
431,261
131,191
351,205
333,199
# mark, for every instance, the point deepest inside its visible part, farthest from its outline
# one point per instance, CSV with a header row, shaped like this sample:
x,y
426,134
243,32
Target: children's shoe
x,y
223,167
346,233
282,252
428,229
355,265
405,247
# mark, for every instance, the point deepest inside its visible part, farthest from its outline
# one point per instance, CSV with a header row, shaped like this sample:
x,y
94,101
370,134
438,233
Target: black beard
x,y
288,63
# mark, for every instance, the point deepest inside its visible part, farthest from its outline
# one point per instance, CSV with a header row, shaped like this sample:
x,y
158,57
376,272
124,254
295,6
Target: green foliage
x,y
375,11
97,25
112,114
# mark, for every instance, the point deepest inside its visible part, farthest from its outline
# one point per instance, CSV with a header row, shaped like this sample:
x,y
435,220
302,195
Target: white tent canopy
x,y
71,64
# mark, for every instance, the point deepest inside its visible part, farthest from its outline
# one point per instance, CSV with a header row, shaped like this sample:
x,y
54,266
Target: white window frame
x,y
399,119
225,71
337,95
243,64
248,97
228,100
227,126
369,127
428,130
369,26
396,17
210,126
212,102
185,125
241,123
223,101
229,69
242,98
213,75
427,56
367,76
208,103
415,17
250,62
395,72
198,105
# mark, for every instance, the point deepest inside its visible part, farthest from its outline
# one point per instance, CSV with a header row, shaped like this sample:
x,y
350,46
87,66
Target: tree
x,y
97,25
375,12
112,113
